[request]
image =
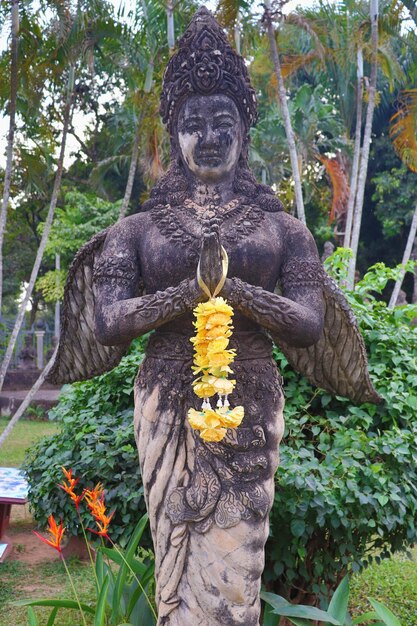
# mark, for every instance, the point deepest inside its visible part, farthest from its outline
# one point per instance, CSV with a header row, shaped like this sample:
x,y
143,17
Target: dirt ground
x,y
27,548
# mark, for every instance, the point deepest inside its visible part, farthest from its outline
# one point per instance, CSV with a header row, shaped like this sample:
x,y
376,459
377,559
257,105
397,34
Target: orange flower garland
x,y
212,359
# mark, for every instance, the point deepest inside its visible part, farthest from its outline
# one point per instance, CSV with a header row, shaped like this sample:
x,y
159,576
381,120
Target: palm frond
x,y
403,129
340,186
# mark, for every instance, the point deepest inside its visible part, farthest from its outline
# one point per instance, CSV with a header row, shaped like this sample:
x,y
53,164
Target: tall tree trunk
x,y
406,258
45,233
414,258
132,171
282,97
170,24
363,170
28,399
237,33
10,137
356,152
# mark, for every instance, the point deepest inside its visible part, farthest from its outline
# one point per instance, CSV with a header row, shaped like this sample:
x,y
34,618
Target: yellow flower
x,y
217,319
196,419
231,418
200,420
213,434
217,345
223,386
220,358
220,371
204,389
201,360
216,332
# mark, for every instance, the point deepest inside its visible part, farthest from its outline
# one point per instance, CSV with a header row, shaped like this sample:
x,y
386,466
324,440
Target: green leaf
x,y
339,603
126,564
32,619
100,616
60,604
285,609
99,568
298,527
366,617
52,616
384,613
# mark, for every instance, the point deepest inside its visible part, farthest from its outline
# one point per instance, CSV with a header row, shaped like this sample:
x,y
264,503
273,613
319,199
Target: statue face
x,y
210,136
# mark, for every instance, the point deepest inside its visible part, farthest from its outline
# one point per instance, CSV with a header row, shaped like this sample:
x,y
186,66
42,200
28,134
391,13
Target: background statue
x,y
208,503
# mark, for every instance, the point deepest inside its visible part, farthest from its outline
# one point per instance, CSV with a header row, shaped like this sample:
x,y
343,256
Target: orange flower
x,y
98,510
69,488
56,533
93,495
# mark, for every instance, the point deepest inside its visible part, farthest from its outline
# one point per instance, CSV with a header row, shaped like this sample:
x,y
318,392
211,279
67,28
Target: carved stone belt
x,y
177,347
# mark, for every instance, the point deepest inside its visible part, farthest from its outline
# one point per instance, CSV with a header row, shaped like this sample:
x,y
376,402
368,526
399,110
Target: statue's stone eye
x,y
192,127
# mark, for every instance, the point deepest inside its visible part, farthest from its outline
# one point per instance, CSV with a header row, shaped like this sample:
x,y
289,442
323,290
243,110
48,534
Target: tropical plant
x,y
123,582
336,613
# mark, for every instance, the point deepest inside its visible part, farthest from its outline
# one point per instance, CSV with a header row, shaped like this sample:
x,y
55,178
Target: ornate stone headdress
x,y
206,64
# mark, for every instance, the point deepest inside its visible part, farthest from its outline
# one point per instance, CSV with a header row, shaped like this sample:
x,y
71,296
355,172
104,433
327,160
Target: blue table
x,y
13,490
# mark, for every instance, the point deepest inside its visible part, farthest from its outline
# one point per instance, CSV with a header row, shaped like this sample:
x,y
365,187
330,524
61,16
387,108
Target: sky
x,y
72,144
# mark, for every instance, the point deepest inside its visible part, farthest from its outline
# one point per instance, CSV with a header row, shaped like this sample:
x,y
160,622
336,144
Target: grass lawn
x,y
20,581
393,582
24,434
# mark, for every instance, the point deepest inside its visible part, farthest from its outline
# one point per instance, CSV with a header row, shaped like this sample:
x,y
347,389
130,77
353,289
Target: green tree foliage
x,y
345,487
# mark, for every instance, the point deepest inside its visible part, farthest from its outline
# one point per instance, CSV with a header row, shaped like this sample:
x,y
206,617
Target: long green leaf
x,y
61,604
384,613
145,579
51,620
339,603
124,568
270,618
285,609
100,616
32,619
99,567
138,567
366,617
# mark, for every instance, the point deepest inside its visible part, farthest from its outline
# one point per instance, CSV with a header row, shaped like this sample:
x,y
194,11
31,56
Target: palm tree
x,y
282,96
10,137
363,167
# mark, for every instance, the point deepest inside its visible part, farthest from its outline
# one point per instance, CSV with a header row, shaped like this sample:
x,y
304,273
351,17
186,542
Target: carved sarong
x,y
208,503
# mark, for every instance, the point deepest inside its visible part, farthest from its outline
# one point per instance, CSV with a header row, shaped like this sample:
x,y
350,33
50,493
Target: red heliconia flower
x,y
98,510
94,495
56,532
69,488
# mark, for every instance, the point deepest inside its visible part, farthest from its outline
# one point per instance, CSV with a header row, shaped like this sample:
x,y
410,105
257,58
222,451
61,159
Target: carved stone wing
x,y
338,361
80,356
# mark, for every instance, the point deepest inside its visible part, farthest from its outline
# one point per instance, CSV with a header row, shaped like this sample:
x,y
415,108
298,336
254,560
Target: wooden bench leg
x,y
5,543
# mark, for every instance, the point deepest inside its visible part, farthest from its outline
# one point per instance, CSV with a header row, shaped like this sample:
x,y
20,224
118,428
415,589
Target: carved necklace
x,y
175,223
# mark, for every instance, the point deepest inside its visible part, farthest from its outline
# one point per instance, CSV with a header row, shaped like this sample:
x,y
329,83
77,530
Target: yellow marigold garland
x,y
212,359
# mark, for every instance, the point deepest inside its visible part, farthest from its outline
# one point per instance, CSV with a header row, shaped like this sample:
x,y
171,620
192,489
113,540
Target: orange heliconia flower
x,y
69,488
94,495
56,533
98,510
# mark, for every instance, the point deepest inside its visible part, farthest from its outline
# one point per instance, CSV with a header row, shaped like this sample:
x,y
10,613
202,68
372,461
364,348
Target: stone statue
x,y
208,503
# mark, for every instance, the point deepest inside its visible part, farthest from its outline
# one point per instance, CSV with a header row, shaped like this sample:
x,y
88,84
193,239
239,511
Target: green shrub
x,y
97,442
346,484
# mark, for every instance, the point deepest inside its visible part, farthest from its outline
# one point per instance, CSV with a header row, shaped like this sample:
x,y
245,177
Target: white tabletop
x,y
13,484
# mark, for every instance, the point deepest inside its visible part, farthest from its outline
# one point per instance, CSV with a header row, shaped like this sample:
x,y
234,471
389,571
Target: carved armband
x,y
115,270
238,292
302,273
